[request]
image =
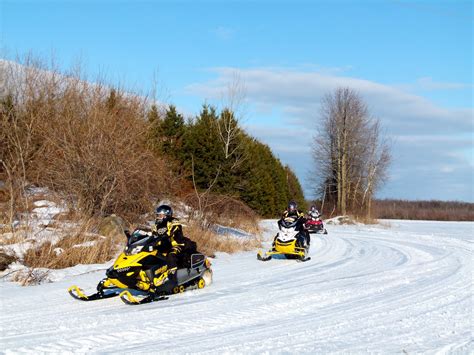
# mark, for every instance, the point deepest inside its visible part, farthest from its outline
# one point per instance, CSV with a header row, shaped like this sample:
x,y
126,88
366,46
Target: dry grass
x,y
212,209
19,235
69,252
209,242
224,210
80,246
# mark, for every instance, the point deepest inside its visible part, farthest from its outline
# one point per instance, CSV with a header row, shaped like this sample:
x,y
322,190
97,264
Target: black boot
x,y
171,285
173,277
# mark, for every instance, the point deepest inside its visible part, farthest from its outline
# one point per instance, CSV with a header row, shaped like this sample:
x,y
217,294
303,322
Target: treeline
x,y
105,150
423,210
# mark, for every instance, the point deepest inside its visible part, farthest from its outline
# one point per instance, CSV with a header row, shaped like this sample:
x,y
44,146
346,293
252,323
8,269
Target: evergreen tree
x,y
166,134
265,187
153,118
171,131
202,153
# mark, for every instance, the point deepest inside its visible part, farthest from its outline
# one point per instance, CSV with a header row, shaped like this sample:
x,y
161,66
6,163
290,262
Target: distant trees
x,y
424,210
350,156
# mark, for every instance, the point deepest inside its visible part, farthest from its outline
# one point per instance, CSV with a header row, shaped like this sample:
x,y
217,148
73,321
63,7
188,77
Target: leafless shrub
x,y
30,276
224,210
85,142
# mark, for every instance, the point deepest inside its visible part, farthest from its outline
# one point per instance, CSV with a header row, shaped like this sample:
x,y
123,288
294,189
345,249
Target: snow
x,y
231,232
399,287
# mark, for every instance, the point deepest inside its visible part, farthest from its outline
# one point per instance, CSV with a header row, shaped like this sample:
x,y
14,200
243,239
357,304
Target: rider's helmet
x,y
292,206
163,213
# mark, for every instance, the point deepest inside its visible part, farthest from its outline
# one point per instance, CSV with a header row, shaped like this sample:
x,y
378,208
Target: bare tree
x,y
351,158
228,125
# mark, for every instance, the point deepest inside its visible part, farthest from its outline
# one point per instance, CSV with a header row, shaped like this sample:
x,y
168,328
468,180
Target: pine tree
x,y
171,131
202,154
165,135
153,136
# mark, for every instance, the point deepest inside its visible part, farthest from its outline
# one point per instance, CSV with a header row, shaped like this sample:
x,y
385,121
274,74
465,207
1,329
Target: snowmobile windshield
x,y
289,222
137,241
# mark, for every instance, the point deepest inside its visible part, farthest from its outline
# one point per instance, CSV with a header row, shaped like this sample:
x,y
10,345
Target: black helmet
x,y
163,213
313,208
292,206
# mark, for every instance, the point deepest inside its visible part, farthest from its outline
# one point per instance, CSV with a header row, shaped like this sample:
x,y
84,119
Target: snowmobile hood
x,y
133,260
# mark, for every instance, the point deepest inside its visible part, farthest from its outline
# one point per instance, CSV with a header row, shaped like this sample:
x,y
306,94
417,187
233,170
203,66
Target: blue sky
x,y
410,61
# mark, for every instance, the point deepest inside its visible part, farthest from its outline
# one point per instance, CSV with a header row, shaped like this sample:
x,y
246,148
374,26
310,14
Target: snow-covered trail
x,y
403,288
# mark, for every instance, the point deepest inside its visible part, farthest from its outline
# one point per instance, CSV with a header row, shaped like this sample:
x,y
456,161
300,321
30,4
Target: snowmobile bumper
x,y
300,253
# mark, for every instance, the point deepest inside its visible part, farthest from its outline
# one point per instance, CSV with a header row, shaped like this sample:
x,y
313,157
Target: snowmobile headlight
x,y
136,250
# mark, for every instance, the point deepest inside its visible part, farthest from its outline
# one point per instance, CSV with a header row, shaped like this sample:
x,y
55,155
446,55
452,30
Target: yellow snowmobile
x,y
140,273
290,241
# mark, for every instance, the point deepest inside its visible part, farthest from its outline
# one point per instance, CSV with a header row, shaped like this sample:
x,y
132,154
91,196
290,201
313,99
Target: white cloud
x,y
427,83
426,135
300,93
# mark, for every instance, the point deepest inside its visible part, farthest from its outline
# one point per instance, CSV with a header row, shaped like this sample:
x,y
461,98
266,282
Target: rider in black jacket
x,y
170,241
293,211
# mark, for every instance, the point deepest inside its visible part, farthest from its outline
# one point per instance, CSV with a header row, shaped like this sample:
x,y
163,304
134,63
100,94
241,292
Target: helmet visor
x,y
160,216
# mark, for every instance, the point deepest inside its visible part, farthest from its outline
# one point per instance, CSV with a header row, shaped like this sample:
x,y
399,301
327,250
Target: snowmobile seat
x,y
197,260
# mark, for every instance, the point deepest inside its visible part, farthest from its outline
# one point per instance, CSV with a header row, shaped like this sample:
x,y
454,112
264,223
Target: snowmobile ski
x,y
304,259
79,294
129,299
262,257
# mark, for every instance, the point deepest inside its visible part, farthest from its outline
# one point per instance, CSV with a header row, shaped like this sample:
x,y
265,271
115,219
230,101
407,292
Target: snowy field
x,y
405,287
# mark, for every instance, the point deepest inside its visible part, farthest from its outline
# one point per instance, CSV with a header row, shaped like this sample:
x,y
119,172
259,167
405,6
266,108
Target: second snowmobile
x,y
140,273
290,242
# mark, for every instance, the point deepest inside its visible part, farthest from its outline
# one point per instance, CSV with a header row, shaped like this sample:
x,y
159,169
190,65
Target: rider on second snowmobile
x,y
293,211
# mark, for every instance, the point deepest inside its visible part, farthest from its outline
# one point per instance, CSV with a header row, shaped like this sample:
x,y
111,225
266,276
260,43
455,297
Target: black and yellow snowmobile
x,y
291,241
140,273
